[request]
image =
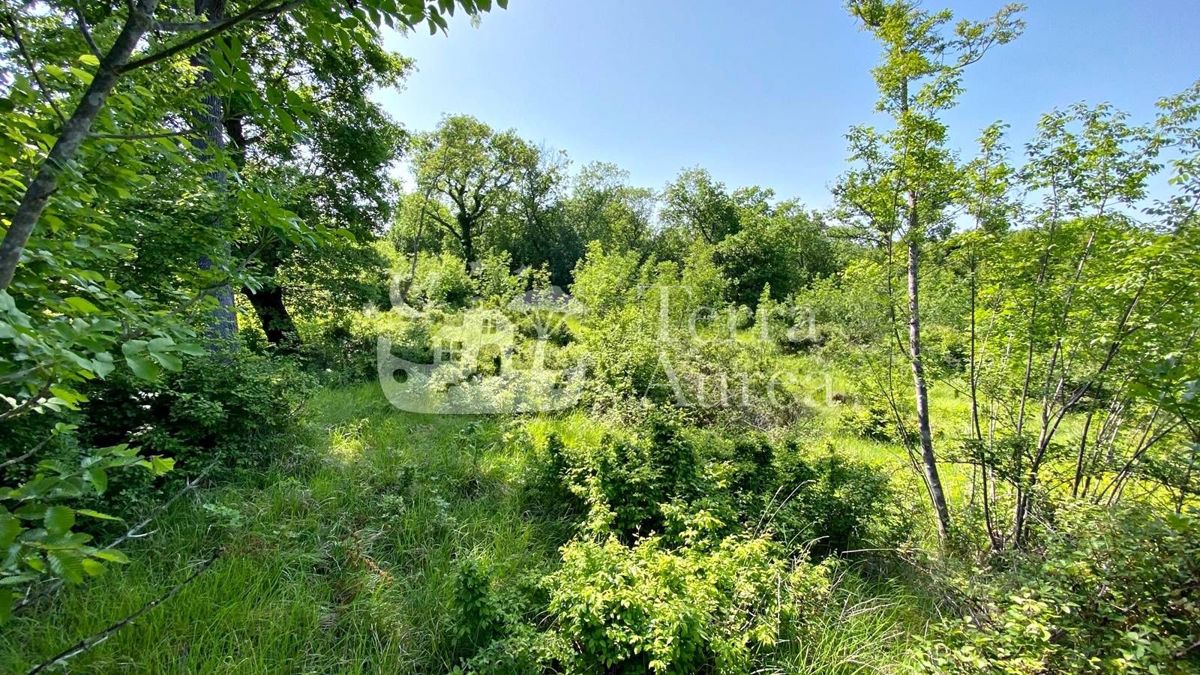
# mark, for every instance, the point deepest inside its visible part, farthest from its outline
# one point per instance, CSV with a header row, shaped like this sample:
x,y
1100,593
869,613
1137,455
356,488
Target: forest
x,y
267,408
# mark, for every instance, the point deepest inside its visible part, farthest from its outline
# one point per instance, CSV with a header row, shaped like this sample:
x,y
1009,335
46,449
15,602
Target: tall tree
x,y
700,205
536,231
135,45
906,176
332,170
604,207
472,170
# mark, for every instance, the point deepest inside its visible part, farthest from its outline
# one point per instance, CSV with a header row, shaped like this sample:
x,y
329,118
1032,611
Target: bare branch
x,y
96,638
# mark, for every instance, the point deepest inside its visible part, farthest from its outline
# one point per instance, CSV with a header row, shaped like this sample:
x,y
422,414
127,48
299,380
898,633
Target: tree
x,y
533,224
121,145
471,169
603,207
699,205
328,23
906,177
1094,309
779,245
332,170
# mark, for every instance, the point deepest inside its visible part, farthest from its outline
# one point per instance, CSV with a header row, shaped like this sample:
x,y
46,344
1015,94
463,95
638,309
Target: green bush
x,y
547,480
835,504
346,350
627,480
620,609
1104,591
871,417
231,409
442,281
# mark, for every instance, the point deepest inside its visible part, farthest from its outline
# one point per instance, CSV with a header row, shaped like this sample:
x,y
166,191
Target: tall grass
x,y
344,562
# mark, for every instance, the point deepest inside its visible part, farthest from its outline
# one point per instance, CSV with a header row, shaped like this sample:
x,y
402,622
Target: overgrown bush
x,y
1104,591
346,349
645,608
869,416
441,280
626,480
830,503
231,410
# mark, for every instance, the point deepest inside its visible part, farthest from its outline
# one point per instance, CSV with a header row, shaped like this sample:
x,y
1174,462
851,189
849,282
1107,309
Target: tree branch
x,y
258,11
96,638
33,71
87,32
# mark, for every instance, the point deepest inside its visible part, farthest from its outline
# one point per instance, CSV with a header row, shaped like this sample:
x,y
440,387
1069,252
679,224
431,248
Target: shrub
x,y
346,350
547,480
835,503
1106,591
492,627
649,609
442,281
230,409
627,480
872,418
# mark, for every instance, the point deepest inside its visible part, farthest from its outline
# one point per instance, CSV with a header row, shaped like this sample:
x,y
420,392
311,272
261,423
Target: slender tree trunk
x,y
928,460
1079,457
223,322
1187,476
74,132
973,374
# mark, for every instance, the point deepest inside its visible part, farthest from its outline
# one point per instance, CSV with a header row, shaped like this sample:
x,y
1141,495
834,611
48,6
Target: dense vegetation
x,y
949,425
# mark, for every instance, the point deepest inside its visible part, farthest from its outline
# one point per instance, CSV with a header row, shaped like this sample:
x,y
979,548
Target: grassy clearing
x,y
343,557
339,561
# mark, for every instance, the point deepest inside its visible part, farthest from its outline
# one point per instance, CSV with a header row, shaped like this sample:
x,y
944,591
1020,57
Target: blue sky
x,y
762,92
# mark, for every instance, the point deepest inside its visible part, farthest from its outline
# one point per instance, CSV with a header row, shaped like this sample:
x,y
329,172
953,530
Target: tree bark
x,y
929,461
66,146
468,241
223,322
273,314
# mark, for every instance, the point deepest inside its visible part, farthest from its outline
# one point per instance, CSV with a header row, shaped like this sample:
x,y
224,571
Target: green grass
x,y
342,562
342,558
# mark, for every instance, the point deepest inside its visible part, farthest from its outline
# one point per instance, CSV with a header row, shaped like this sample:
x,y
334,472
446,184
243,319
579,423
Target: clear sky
x,y
763,91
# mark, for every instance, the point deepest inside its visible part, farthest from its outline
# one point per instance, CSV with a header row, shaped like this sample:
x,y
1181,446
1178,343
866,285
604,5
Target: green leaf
x,y
10,527
59,519
32,512
93,568
112,556
95,514
82,305
89,60
160,344
168,361
68,396
133,347
190,348
142,367
99,480
66,564
160,465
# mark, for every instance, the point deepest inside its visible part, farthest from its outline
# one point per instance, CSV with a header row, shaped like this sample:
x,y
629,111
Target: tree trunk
x,y
75,130
928,460
273,315
223,322
467,239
